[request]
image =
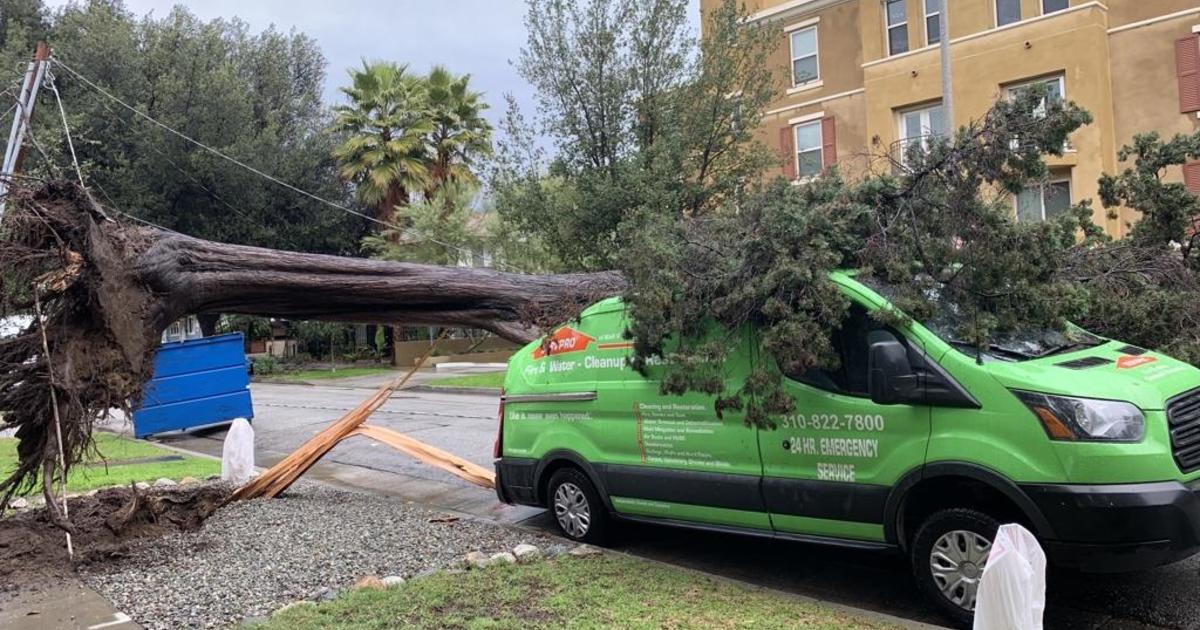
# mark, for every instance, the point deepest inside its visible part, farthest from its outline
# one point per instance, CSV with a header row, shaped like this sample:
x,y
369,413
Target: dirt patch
x,y
33,551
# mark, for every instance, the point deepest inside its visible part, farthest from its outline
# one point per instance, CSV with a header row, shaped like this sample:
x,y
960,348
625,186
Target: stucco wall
x,y
838,53
1074,44
1122,12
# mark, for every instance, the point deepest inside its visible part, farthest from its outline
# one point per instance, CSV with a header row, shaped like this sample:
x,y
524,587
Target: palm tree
x,y
387,125
460,134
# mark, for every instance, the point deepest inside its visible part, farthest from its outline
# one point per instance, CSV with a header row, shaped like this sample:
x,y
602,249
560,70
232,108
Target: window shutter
x,y
828,142
1187,68
787,151
1191,176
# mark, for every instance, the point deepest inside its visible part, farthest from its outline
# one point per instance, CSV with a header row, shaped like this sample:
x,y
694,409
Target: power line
x,y
258,172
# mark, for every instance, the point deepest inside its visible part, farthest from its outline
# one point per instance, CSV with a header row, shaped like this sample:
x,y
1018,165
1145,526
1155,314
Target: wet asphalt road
x,y
1168,597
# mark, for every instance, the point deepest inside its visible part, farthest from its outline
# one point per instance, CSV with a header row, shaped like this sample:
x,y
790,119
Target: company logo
x,y
1130,361
563,341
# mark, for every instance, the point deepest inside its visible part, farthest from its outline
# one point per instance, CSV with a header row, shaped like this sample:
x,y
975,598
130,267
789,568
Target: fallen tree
x,y
107,288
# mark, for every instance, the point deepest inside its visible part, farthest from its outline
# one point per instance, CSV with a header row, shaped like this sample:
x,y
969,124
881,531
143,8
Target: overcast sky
x,y
480,37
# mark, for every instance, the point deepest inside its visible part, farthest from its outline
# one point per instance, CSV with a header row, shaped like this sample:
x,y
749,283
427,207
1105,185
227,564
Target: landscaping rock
x,y
370,582
141,485
318,541
584,550
503,557
526,553
189,481
213,477
18,503
476,559
163,482
392,581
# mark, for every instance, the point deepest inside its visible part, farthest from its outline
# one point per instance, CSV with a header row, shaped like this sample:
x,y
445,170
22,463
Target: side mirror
x,y
890,377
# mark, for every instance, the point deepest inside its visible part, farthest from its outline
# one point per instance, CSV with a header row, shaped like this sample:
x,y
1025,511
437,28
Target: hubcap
x,y
571,510
957,562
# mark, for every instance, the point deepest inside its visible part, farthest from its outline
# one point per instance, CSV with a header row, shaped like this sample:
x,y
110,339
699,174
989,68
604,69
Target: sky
x,y
482,38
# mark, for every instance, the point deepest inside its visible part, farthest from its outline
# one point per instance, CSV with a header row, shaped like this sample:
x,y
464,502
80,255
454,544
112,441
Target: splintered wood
x,y
282,475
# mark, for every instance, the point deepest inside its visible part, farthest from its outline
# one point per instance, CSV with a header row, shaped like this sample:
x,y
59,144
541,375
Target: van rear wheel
x,y
576,506
949,553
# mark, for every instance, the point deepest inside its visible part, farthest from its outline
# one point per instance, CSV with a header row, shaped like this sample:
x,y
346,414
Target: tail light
x,y
498,445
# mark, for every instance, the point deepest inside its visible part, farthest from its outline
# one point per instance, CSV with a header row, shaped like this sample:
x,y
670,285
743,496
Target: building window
x,y
809,160
1007,12
897,26
933,21
805,67
1050,6
1056,91
1044,202
918,126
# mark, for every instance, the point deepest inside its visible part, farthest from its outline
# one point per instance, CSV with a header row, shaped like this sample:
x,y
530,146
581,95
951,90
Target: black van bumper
x,y
1123,527
515,479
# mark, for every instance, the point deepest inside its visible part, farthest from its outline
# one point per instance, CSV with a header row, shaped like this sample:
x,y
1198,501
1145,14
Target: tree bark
x,y
194,276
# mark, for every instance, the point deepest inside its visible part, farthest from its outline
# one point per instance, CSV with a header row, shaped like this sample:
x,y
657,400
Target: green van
x,y
918,443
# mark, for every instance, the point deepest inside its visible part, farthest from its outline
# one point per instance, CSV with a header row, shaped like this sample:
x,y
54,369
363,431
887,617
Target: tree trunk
x,y
196,276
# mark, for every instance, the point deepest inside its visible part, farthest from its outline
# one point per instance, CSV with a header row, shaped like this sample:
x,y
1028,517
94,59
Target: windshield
x,y
1019,344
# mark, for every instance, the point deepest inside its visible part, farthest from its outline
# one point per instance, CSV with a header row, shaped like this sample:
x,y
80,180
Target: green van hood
x,y
1147,379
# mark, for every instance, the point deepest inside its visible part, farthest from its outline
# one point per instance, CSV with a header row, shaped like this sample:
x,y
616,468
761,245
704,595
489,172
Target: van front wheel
x,y
949,553
577,508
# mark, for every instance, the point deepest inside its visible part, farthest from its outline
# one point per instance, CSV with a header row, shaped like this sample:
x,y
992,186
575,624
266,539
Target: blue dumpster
x,y
196,383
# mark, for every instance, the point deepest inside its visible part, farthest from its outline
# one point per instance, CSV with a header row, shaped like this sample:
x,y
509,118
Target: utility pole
x,y
14,152
947,89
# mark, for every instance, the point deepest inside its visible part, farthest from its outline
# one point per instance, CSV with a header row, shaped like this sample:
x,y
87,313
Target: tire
x,y
960,537
576,507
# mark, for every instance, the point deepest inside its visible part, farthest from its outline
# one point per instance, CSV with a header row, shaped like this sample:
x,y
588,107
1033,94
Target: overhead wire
x,y
342,207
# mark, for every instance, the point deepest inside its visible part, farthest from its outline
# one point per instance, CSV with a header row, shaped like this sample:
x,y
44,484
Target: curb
x,y
480,391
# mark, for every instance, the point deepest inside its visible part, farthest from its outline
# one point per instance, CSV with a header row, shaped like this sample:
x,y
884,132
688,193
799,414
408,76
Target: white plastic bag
x,y
1012,591
237,456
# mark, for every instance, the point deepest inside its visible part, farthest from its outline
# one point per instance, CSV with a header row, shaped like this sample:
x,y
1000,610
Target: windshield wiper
x,y
996,349
1066,347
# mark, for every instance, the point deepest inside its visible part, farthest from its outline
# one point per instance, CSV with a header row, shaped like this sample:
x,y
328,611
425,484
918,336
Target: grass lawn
x,y
115,450
606,591
320,375
494,380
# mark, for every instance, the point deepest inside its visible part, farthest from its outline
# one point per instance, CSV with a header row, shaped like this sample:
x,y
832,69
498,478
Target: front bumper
x,y
1121,527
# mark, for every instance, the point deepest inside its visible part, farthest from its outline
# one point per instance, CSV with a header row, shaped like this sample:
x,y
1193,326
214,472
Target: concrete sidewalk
x,y
71,606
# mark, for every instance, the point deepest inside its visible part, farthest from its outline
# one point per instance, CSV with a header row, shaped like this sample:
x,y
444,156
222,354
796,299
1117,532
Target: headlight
x,y
1085,419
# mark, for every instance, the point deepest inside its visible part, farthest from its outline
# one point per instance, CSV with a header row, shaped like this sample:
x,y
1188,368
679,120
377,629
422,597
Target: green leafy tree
x,y
457,230
641,115
1146,287
386,127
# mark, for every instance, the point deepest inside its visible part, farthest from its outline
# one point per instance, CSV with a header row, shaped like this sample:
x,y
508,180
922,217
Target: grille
x,y
1183,416
1134,350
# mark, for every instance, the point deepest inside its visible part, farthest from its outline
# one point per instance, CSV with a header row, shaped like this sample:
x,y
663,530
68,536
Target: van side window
x,y
850,343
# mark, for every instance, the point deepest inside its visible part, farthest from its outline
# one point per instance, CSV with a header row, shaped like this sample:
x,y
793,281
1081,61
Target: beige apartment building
x,y
863,79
